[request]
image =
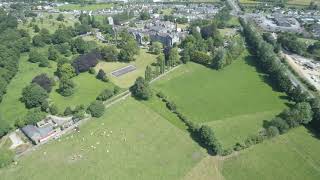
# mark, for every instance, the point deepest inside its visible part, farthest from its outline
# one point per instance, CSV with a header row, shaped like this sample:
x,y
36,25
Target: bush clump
x,y
96,109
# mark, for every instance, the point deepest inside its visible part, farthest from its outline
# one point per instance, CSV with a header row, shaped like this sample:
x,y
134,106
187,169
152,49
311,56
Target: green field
x,y
206,95
86,91
293,156
51,24
87,7
234,101
11,107
153,148
236,129
142,61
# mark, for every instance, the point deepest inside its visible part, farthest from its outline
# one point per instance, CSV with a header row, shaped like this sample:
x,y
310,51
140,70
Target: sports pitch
x,y
124,70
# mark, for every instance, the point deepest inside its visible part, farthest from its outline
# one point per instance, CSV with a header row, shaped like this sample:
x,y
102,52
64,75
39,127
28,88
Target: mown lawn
x,y
86,7
138,144
11,108
86,91
293,156
142,61
206,95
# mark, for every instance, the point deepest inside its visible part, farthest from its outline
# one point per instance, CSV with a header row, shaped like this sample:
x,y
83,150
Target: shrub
x,y
171,106
53,53
6,157
44,81
45,106
96,109
105,94
280,124
141,89
78,115
33,95
226,152
209,140
44,63
66,87
161,95
78,112
109,53
92,70
85,62
255,139
54,109
35,56
192,127
116,89
67,111
65,71
4,127
272,131
102,76
239,146
60,17
34,115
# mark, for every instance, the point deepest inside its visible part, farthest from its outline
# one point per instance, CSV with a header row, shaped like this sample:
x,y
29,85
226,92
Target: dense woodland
x,y
12,43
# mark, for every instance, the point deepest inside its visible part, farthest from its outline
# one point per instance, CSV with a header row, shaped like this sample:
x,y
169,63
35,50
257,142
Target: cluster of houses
x,y
292,20
46,129
165,32
190,11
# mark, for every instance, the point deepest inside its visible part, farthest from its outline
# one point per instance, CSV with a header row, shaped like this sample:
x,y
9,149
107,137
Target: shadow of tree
x,y
313,132
264,77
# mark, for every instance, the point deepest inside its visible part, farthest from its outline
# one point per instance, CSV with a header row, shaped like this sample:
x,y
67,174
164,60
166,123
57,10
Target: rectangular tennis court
x,y
124,70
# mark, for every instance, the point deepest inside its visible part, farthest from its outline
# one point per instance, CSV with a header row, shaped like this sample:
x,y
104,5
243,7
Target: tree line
x,y
204,135
304,110
13,42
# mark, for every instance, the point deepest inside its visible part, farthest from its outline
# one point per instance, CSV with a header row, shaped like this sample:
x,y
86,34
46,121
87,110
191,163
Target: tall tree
x,y
161,62
33,95
141,89
173,57
219,59
148,74
66,87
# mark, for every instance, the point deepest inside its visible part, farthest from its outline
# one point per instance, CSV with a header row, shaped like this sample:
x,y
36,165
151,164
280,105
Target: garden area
x,y
143,59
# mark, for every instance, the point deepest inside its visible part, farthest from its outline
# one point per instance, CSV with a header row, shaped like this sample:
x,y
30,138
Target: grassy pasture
x,y
206,95
86,91
243,125
291,156
142,61
234,101
51,24
11,108
154,148
86,7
